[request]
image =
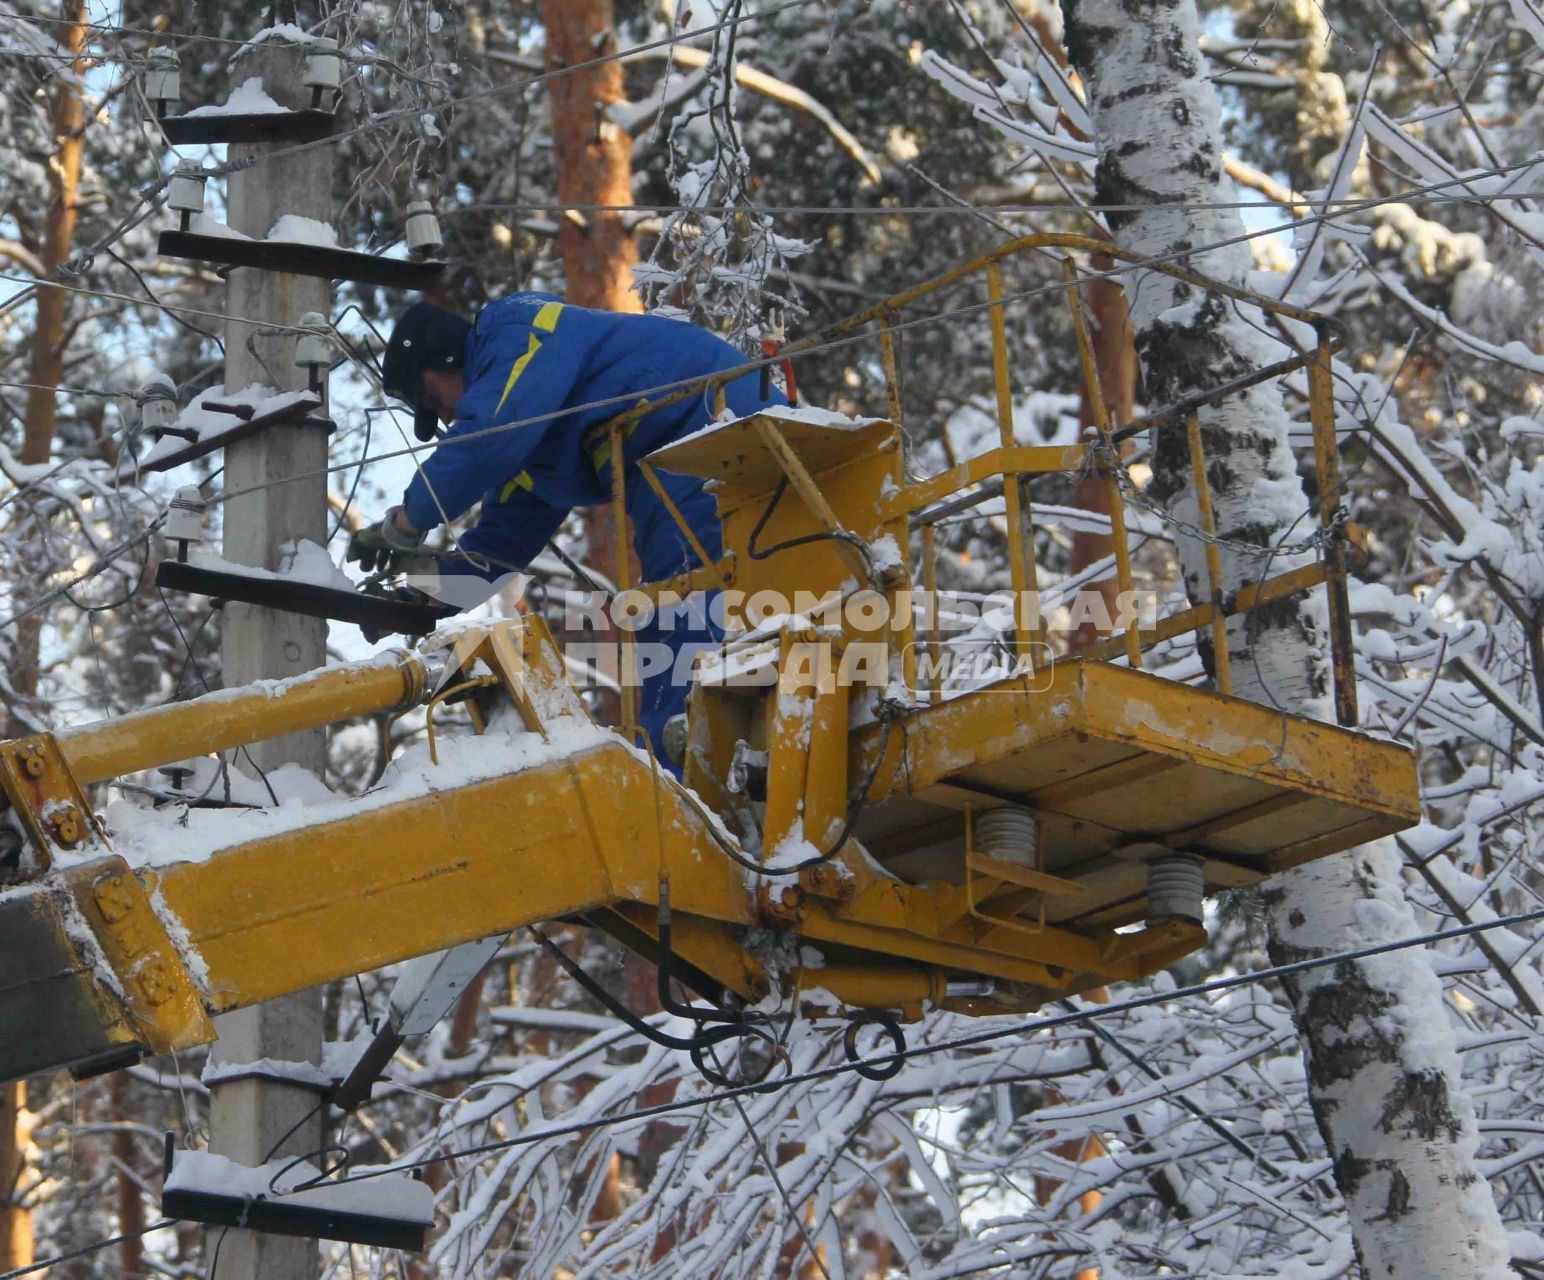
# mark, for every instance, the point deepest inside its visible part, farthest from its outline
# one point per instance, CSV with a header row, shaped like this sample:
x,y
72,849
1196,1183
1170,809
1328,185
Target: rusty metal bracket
x,y
154,982
50,805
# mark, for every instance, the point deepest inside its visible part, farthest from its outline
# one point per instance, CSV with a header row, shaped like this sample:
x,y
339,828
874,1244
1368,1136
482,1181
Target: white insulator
x,y
1175,886
324,68
157,415
1009,833
185,515
163,79
423,229
314,348
157,385
157,400
187,189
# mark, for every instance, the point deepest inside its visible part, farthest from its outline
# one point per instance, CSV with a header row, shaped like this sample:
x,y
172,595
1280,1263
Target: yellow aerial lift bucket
x,y
850,833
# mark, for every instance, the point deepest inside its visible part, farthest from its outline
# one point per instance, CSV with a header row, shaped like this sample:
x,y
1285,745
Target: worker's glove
x,y
382,546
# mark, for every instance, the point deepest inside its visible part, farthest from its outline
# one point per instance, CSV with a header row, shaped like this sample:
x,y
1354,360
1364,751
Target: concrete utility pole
x,y
250,1118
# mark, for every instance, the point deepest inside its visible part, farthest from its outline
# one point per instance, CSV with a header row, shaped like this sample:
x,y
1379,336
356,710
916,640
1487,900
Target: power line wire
x,y
371,124
777,1182
146,302
734,1095
813,347
816,1074
376,121
81,1252
137,31
730,23
100,392
753,365
99,565
1351,206
916,210
82,262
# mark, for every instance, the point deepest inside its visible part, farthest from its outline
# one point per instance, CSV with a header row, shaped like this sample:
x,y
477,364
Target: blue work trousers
x,y
663,552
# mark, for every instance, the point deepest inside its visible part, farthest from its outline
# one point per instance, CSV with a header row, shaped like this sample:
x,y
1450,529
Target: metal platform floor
x,y
1116,761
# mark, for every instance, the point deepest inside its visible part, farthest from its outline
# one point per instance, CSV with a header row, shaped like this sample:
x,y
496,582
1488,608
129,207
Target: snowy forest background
x,y
793,164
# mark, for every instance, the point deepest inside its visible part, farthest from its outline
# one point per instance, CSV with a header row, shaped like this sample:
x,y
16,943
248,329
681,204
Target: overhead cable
x,y
816,1074
374,122
918,210
85,1249
755,364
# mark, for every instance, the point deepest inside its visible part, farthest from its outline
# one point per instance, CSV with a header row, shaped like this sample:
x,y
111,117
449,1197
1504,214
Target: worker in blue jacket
x,y
552,375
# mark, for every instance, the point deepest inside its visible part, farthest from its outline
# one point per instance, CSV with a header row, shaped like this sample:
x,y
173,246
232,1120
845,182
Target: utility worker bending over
x,y
529,358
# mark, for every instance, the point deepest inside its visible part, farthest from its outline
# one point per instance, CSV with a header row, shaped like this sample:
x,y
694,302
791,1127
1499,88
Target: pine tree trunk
x,y
15,1221
45,368
45,371
131,1202
593,162
591,155
1384,1072
47,363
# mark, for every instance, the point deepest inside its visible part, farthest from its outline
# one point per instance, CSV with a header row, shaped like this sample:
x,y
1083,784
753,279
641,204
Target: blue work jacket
x,y
534,360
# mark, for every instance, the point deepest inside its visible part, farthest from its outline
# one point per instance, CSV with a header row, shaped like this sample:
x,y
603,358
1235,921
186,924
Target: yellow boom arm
x,y
549,816
984,851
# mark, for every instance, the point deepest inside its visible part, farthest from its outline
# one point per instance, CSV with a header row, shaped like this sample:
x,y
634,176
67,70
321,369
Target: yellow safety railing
x,y
1010,469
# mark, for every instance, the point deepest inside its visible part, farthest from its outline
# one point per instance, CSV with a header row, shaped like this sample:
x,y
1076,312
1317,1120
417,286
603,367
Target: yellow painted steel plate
x,y
735,452
1111,758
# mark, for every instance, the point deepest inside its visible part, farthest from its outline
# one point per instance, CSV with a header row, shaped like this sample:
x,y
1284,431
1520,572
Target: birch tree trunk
x,y
1383,1065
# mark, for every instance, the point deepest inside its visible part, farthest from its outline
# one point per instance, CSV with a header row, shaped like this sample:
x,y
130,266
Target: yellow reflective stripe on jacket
x,y
547,320
598,439
521,481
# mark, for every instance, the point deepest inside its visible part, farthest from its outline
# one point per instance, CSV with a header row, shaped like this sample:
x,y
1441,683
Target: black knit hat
x,y
425,337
